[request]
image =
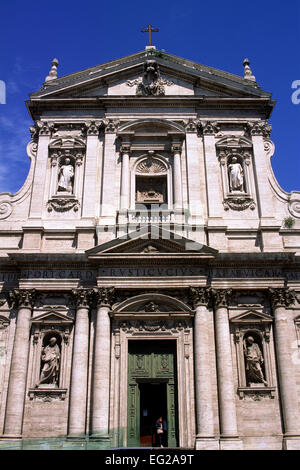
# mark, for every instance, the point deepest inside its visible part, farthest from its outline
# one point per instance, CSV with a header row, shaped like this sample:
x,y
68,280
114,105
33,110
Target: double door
x,y
152,392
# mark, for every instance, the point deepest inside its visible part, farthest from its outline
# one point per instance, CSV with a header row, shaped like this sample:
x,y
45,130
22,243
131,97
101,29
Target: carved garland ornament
x,y
152,326
239,203
63,204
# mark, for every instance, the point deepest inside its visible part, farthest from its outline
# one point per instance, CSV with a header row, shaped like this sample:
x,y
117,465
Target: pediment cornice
x,y
158,241
198,74
252,316
52,317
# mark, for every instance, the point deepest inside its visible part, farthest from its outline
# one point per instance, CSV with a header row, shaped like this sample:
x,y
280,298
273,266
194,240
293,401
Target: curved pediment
x,y
67,143
152,303
232,141
142,125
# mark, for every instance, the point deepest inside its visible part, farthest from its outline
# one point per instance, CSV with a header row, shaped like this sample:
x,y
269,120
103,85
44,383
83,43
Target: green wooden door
x,y
150,361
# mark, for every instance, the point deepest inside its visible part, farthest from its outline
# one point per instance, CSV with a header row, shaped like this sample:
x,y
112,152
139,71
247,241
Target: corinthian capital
x,y
191,125
105,296
221,297
200,295
260,128
44,128
22,298
210,127
282,297
83,297
93,127
111,125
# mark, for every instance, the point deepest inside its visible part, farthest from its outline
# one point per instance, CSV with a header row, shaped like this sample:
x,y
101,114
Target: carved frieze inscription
x,y
152,271
58,274
89,274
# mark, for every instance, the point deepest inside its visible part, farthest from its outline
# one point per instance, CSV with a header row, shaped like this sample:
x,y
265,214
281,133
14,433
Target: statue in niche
x,y
65,177
236,175
254,361
50,360
151,83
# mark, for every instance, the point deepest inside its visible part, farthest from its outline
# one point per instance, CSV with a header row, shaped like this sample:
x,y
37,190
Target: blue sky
x,y
217,33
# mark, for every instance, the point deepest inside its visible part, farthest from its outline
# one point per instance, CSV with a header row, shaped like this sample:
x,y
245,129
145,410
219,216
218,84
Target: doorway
x,y
153,404
152,392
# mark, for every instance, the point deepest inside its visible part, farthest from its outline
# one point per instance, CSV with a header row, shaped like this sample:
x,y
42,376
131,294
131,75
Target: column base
x,y
231,443
291,442
206,443
98,443
10,442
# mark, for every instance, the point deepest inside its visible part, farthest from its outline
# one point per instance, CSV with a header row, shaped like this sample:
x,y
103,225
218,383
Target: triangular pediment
x,y
151,240
252,316
120,78
52,317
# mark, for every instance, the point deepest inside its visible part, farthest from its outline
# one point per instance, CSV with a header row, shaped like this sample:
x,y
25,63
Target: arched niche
x,y
151,181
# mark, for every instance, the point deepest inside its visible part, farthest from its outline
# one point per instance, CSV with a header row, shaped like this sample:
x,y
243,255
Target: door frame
x,y
173,327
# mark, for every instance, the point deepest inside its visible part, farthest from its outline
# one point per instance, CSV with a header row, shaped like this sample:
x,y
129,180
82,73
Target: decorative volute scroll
x,y
5,209
294,204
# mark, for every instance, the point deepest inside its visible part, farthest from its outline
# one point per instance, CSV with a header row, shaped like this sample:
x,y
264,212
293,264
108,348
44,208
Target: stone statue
x,y
151,83
65,177
254,361
50,361
236,175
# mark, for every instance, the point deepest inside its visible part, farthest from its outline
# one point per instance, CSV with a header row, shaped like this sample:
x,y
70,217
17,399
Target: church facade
x,y
150,265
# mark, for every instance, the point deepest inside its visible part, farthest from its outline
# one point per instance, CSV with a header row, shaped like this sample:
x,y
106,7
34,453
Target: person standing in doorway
x,y
160,428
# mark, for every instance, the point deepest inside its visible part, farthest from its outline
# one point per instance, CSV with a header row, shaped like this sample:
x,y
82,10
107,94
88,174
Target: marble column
x,y
177,179
227,408
79,375
281,299
101,366
204,401
24,299
125,176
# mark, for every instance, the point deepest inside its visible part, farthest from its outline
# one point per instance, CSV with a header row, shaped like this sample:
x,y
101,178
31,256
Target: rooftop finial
x,y
247,71
53,71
